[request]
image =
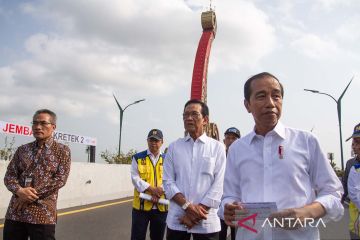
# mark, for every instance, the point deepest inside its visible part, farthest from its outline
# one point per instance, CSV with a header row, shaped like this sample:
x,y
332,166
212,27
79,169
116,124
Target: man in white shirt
x,y
193,179
353,186
146,176
275,163
354,195
231,135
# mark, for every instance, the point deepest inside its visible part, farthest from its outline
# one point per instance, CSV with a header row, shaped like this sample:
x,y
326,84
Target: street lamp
x,y
338,103
121,116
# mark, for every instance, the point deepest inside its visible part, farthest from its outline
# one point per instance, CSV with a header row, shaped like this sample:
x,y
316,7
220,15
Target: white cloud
x,y
6,102
243,30
349,30
315,47
129,47
6,76
162,28
332,4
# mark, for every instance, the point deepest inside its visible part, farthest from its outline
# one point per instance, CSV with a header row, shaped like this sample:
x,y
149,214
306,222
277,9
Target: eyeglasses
x,y
193,115
41,123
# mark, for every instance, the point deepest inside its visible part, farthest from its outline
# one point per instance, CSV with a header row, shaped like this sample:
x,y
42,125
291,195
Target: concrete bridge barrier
x,y
87,183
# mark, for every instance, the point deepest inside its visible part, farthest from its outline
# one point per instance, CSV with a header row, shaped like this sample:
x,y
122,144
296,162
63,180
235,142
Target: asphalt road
x,y
112,221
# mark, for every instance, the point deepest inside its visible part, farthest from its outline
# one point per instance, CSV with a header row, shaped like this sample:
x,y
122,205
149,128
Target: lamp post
x,y
122,110
338,104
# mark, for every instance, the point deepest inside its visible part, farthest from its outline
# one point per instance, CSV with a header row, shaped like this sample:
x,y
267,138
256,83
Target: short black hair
x,y
47,111
204,107
247,86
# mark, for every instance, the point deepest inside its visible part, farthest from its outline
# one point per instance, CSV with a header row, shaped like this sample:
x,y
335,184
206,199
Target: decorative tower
x,y
199,78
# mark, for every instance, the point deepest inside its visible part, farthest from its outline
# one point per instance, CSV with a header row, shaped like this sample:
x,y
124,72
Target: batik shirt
x,y
48,167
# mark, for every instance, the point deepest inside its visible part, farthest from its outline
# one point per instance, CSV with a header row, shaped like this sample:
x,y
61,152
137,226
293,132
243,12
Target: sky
x,y
71,56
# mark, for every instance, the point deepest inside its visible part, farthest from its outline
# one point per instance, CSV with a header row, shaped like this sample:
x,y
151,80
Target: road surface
x,y
112,221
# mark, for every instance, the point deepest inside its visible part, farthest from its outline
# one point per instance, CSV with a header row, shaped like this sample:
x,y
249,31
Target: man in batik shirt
x,y
35,174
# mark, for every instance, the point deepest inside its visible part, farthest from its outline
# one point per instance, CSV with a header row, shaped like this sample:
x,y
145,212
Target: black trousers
x,y
140,222
223,232
14,230
354,236
182,235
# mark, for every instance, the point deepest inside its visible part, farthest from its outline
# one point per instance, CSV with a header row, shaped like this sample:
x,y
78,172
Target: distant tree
x,y
7,152
114,158
337,170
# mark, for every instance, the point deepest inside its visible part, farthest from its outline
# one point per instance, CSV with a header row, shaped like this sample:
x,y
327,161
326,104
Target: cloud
x,y
7,77
315,47
129,47
349,30
196,5
318,35
333,4
163,28
245,40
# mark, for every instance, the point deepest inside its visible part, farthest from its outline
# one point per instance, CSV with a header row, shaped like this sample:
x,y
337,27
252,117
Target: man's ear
x,y
206,120
54,126
247,105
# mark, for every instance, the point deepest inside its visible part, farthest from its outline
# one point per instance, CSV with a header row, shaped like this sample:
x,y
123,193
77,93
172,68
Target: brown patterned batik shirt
x,y
48,167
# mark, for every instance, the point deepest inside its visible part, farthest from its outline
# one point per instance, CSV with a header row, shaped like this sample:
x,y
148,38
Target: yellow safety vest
x,y
354,223
152,175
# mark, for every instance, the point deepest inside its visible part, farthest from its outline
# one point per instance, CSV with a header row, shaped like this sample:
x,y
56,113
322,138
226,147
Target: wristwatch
x,y
185,205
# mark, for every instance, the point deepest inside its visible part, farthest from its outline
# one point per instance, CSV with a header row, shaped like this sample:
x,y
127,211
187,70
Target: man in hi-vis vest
x,y
146,175
353,186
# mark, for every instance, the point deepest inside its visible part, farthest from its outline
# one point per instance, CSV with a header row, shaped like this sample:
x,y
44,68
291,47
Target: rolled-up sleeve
x,y
354,187
138,183
212,198
325,182
169,177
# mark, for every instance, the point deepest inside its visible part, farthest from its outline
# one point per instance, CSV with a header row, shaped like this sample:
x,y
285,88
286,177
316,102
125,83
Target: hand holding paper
x,y
148,197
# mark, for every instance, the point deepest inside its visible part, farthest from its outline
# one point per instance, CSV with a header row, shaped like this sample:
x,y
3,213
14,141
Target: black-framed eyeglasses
x,y
41,123
193,115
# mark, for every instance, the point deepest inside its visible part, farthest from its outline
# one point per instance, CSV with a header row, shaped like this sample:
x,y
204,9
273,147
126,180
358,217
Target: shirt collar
x,y
48,143
251,136
202,138
278,130
150,153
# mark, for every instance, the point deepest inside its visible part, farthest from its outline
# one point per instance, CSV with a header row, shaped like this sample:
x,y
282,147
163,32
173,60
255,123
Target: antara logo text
x,y
279,223
293,222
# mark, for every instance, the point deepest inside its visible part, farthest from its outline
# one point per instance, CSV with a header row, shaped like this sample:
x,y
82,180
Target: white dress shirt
x,y
196,169
257,172
138,183
354,185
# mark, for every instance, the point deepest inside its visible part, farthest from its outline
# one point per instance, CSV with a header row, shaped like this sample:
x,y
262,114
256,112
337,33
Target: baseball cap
x,y
155,133
356,132
233,130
